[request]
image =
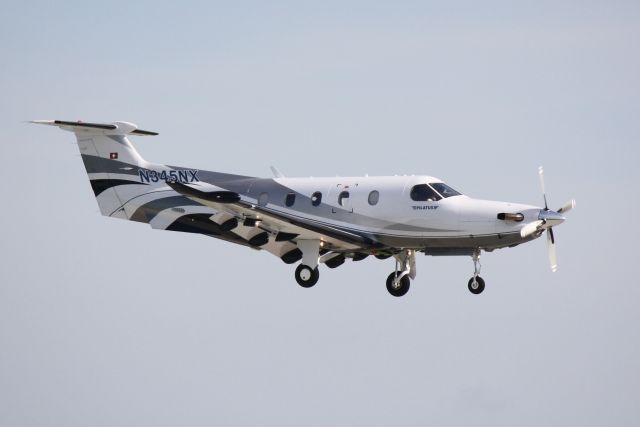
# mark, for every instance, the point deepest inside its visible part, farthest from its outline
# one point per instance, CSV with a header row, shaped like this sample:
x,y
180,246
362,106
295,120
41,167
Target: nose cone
x,y
551,217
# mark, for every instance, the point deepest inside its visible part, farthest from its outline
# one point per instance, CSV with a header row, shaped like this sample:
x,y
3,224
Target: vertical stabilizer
x,y
112,163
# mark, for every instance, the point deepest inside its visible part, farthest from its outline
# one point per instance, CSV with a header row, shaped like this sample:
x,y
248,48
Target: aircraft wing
x,y
255,224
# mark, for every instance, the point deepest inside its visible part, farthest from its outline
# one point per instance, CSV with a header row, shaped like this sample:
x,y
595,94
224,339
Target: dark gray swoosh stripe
x,y
148,211
201,224
100,185
95,164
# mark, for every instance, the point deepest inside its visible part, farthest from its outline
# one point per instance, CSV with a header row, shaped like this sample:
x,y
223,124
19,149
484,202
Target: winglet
x,y
276,172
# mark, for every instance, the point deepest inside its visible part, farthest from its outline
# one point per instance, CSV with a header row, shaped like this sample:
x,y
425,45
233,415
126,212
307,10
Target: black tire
x,y
306,276
478,287
403,287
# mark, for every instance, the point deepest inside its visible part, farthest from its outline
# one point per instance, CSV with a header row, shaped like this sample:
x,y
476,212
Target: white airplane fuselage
x,y
398,221
313,221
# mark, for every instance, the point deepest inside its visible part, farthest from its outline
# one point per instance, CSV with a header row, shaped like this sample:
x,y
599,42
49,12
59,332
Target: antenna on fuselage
x,y
276,172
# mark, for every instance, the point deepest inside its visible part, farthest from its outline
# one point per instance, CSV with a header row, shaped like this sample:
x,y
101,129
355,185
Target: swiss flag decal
x,y
113,156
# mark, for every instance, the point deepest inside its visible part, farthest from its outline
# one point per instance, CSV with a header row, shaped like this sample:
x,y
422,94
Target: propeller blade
x,y
567,206
544,193
530,228
551,248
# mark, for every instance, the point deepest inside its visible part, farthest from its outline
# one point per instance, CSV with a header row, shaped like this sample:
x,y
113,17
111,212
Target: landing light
x,y
251,222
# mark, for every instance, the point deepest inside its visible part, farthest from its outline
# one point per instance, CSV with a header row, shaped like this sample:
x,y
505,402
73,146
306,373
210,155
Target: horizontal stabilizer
x,y
115,128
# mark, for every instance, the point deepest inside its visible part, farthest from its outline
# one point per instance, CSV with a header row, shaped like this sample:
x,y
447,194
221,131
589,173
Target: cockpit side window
x,y
424,193
444,189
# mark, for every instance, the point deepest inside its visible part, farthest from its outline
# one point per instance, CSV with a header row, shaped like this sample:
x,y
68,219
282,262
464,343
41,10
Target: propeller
x,y
551,249
546,220
567,206
550,218
544,193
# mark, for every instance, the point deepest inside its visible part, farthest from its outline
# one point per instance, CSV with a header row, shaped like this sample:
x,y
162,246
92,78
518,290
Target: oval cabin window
x,y
316,198
374,196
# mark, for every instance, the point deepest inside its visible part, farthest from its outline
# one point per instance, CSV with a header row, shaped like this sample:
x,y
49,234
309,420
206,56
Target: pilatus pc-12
x,y
310,221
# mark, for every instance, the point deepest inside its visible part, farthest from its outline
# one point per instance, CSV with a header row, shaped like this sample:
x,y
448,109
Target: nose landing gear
x,y
476,283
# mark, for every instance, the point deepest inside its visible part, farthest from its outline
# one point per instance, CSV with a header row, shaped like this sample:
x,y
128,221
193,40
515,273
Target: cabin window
x,y
343,198
424,193
374,196
263,199
316,198
290,199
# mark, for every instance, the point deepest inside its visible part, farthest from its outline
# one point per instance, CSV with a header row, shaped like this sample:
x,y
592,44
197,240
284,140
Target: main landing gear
x,y
476,283
307,273
399,281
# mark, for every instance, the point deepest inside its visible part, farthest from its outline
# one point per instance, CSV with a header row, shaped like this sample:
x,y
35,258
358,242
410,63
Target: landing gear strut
x,y
476,283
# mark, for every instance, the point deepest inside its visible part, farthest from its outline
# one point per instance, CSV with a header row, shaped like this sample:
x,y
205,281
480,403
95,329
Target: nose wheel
x,y
476,285
398,284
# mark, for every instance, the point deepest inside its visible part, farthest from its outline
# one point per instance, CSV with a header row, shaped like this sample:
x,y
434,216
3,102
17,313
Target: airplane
x,y
312,221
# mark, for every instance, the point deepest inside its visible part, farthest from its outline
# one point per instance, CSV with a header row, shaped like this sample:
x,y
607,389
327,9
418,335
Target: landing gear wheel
x,y
477,286
401,287
306,276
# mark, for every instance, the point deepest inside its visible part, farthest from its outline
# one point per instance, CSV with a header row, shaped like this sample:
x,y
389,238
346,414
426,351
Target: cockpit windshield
x,y
444,189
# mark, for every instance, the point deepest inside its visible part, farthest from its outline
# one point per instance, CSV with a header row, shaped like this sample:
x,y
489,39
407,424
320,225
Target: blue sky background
x,y
105,322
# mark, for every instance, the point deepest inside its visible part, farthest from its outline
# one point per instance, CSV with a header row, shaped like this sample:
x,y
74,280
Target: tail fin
x,y
112,163
106,141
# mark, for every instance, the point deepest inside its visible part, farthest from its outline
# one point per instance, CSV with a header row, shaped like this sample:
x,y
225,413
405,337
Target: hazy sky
x,y
110,323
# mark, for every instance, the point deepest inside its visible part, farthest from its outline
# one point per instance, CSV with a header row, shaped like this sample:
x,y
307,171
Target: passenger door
x,y
341,197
